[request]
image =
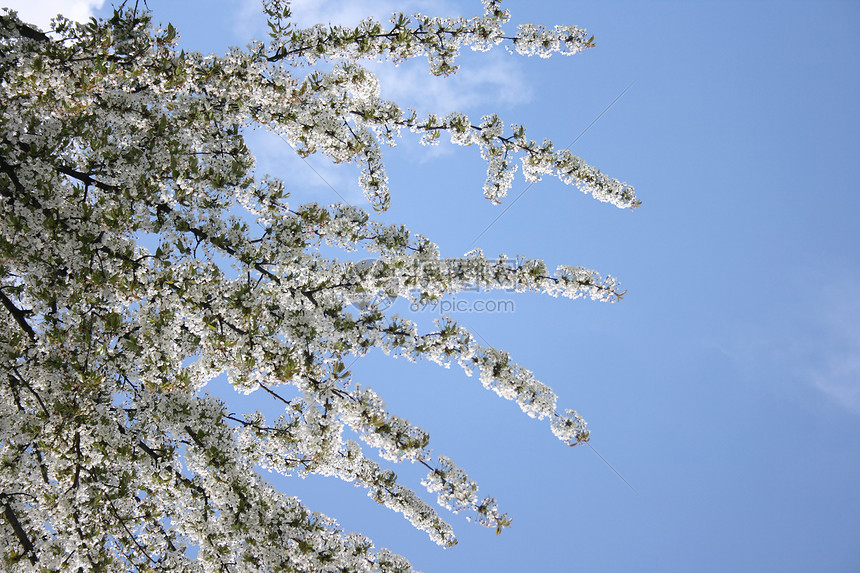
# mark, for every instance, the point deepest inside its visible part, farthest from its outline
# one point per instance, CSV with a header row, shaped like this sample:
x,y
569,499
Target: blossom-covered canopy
x,y
112,457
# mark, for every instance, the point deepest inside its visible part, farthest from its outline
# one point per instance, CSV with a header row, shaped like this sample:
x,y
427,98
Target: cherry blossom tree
x,y
125,183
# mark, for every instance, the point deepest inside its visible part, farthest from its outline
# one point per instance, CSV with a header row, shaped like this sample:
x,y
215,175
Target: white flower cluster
x,y
346,107
113,457
534,40
500,151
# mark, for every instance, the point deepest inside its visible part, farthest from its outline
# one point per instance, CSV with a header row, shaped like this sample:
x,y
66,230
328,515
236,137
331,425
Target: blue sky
x,y
725,387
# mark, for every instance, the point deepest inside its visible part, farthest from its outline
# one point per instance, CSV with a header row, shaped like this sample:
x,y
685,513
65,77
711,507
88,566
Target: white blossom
x,y
128,281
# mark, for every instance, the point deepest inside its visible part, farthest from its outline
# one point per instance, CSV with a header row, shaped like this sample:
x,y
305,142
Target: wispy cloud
x,y
490,80
486,83
249,21
316,179
812,343
837,372
40,12
841,380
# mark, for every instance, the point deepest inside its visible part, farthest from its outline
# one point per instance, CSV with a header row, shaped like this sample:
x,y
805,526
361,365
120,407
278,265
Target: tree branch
x,y
26,31
29,549
19,315
85,178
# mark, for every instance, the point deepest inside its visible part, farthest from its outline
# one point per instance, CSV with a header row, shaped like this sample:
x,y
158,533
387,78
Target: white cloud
x,y
491,80
840,380
40,12
315,179
249,22
813,344
837,373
